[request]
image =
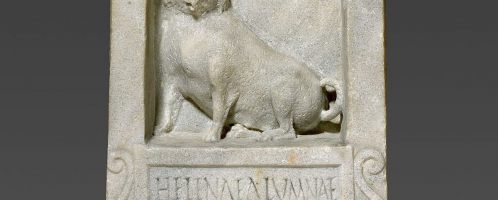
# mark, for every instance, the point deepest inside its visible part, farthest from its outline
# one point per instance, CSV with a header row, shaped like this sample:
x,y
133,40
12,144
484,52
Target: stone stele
x,y
247,99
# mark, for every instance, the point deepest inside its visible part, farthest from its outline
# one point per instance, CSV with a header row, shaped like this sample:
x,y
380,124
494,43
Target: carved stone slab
x,y
247,99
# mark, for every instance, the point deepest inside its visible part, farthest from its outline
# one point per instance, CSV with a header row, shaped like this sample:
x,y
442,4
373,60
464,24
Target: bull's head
x,y
197,8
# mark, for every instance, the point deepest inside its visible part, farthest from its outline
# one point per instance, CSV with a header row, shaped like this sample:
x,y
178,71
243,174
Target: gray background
x,y
442,99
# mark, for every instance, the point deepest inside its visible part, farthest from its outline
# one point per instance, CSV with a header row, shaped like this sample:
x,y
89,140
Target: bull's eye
x,y
188,4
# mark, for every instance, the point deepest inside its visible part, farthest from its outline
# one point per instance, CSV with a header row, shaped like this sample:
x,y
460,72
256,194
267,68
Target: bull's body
x,y
234,78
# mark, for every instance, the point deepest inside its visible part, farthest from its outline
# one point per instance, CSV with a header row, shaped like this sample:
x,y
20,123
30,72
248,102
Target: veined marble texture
x,y
247,99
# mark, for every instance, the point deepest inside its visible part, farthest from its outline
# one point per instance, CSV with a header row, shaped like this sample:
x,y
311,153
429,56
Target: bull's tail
x,y
336,107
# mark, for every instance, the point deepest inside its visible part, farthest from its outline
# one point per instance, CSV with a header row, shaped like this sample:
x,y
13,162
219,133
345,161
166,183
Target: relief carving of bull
x,y
209,57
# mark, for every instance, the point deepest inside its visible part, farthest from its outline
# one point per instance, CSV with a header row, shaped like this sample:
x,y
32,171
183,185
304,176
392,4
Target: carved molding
x,y
120,162
368,163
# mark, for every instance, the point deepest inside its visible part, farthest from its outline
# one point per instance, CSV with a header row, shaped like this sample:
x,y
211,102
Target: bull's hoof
x,y
276,134
163,129
160,131
211,138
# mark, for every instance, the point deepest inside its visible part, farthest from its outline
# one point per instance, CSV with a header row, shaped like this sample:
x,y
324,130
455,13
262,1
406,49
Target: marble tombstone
x,y
247,99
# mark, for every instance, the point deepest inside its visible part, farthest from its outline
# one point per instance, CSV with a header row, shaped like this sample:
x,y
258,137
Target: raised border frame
x,y
365,121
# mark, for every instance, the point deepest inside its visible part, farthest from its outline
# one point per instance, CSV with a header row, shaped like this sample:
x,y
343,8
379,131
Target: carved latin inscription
x,y
244,183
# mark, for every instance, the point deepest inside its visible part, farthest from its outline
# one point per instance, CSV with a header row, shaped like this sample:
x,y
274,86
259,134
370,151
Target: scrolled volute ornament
x,y
368,163
120,163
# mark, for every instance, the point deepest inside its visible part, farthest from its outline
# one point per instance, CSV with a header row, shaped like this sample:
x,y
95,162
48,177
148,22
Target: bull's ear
x,y
224,5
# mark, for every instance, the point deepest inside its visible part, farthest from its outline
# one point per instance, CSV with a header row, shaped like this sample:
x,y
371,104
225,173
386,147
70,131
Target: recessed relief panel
x,y
265,70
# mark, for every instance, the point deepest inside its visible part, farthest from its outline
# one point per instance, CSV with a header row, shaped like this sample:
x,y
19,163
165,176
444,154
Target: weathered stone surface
x,y
157,150
314,172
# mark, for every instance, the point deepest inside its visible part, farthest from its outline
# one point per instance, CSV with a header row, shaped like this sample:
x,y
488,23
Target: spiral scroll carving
x,y
368,163
120,162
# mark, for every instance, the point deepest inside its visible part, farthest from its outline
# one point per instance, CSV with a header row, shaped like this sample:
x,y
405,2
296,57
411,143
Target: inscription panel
x,y
234,183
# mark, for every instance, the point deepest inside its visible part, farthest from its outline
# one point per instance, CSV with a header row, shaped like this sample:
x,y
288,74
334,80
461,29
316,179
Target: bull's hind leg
x,y
169,102
282,104
285,131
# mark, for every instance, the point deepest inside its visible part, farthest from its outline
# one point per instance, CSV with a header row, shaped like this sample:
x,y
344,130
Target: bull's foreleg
x,y
222,103
169,102
221,107
223,97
